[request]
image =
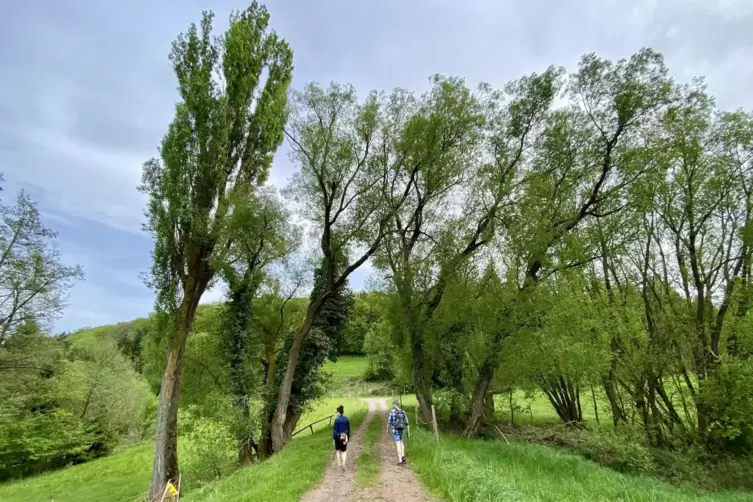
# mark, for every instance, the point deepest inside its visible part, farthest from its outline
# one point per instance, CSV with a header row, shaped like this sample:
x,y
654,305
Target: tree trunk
x,y
481,390
277,427
165,467
610,389
420,381
565,398
489,410
238,314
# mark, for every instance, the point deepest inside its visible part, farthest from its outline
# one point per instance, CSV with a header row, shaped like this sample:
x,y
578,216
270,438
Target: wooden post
x,y
180,477
164,492
434,422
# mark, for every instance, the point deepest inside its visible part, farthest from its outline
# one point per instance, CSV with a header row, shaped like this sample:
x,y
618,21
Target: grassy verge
x,y
368,462
284,477
460,469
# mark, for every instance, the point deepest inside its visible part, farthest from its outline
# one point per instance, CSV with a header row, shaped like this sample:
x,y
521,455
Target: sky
x,y
87,91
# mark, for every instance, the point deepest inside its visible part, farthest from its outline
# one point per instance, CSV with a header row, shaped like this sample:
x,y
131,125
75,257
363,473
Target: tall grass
x,y
460,469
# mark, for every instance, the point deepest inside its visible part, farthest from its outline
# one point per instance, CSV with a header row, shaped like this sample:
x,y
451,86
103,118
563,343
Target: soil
x,y
396,482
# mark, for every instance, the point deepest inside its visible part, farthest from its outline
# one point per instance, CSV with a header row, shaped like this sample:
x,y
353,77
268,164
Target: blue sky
x,y
86,91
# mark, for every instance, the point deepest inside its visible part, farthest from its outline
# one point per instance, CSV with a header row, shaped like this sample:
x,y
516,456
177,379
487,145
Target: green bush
x,y
616,451
210,449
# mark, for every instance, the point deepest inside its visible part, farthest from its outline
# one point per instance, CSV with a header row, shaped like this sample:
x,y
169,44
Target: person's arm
x,y
348,429
334,431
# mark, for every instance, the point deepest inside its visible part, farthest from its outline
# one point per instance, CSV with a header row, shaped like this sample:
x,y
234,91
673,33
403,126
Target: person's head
x,y
340,410
396,404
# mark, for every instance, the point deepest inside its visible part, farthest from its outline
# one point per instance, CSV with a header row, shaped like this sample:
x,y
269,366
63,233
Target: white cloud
x,y
90,90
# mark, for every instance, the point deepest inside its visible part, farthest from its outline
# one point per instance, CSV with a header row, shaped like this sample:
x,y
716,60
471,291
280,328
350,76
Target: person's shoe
x,y
403,458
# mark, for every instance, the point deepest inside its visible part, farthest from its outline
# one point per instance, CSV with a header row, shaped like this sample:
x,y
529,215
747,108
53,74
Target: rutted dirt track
x,y
396,482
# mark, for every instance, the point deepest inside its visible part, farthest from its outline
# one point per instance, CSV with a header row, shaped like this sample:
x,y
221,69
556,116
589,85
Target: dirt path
x,y
396,482
339,485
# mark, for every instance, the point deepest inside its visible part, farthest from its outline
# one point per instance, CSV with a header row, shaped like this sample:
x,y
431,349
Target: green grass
x,y
284,477
460,469
122,477
347,367
367,472
325,407
125,476
347,378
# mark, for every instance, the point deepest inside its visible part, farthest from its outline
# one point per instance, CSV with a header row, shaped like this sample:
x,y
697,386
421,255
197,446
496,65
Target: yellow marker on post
x,y
171,490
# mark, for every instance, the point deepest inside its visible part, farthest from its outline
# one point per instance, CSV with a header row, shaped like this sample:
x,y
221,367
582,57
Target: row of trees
x,y
612,200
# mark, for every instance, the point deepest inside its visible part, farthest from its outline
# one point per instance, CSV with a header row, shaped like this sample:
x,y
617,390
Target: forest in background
x,y
583,235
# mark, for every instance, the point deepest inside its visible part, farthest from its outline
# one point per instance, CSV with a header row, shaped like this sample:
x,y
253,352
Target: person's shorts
x,y
397,435
339,445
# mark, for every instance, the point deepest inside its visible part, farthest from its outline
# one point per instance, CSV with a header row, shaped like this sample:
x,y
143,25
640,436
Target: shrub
x,y
210,448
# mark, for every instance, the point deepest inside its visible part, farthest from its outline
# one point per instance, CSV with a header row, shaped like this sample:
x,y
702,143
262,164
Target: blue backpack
x,y
401,421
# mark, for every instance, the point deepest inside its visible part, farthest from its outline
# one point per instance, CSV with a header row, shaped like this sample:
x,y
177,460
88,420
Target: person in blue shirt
x,y
340,436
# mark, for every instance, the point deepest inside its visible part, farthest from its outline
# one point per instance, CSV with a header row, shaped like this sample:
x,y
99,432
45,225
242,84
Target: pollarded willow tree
x,y
227,126
690,265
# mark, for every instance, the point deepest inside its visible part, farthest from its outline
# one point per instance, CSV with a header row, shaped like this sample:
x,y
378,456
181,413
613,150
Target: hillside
x,y
456,469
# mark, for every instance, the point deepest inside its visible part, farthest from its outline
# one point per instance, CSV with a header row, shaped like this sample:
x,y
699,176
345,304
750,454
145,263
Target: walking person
x,y
398,422
340,436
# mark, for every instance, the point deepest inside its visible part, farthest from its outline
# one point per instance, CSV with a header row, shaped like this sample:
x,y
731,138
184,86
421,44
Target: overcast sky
x,y
87,91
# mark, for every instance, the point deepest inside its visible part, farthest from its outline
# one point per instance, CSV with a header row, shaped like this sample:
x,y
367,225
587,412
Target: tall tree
x,y
589,156
262,236
227,126
430,237
33,281
344,174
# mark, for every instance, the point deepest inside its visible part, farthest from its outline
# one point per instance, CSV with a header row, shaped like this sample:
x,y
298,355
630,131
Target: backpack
x,y
401,421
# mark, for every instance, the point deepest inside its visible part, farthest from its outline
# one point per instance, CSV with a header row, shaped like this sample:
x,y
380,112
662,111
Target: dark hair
x,y
340,409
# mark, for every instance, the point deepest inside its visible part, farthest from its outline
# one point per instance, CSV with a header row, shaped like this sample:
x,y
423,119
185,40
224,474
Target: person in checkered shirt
x,y
398,422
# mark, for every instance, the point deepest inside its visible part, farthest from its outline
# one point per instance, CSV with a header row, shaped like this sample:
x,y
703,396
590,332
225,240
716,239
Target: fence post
x,y
180,478
434,422
312,429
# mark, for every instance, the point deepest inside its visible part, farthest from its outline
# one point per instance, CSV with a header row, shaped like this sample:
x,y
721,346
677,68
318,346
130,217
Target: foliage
x,y
217,151
67,403
210,448
363,319
33,281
